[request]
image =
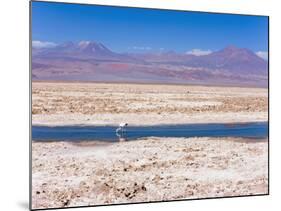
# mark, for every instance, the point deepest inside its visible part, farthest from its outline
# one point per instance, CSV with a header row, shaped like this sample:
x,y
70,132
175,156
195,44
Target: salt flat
x,y
144,104
153,169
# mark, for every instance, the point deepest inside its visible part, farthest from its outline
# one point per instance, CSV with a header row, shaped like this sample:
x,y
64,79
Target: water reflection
x,y
122,136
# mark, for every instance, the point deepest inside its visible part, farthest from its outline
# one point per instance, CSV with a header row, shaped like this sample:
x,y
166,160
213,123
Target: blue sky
x,y
124,29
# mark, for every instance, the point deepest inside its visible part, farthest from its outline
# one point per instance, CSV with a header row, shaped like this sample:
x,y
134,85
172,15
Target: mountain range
x,y
93,61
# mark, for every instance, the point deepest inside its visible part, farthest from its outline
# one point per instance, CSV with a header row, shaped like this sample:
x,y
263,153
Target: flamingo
x,y
122,127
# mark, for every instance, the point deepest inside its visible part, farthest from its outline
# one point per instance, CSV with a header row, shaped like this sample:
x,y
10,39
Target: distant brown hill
x,y
92,61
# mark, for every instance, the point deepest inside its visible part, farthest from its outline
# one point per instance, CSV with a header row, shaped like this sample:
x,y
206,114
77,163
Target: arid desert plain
x,y
66,174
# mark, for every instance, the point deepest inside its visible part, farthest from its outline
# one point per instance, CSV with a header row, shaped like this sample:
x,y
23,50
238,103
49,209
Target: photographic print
x,y
133,105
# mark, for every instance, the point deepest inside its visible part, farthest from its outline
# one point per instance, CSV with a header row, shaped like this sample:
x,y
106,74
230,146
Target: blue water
x,y
255,130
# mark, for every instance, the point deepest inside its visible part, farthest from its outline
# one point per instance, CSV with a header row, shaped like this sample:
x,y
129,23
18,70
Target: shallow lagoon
x,y
255,130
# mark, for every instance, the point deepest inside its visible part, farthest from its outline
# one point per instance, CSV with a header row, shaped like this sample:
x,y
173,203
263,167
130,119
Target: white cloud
x,y
142,48
41,44
199,52
262,54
